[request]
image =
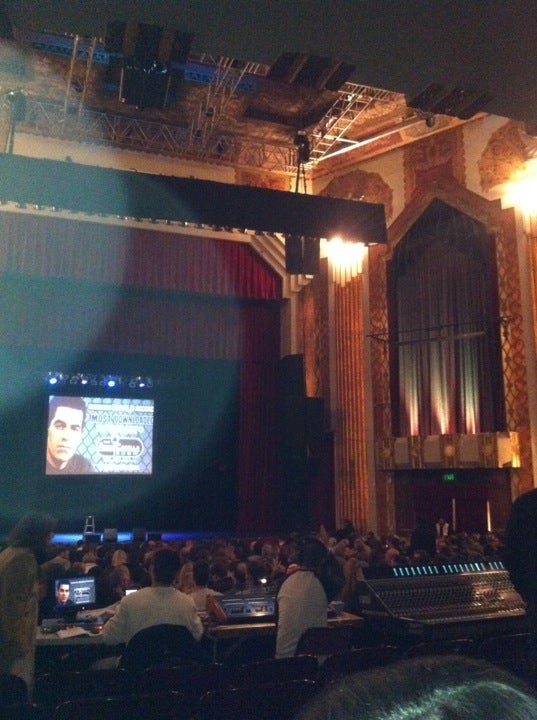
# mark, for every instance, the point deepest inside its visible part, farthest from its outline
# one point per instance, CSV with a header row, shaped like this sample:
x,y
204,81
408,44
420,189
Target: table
x,y
233,634
43,639
228,636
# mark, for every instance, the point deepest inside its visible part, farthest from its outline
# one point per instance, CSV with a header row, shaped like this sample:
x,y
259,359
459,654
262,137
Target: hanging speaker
x,y
301,255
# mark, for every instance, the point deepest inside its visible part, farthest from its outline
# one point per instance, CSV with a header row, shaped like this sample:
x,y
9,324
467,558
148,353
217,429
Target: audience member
x,y
112,583
20,594
159,603
301,601
221,578
426,688
201,573
423,538
185,578
520,558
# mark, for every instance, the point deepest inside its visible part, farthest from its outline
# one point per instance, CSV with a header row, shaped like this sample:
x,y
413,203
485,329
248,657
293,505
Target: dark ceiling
x,y
486,48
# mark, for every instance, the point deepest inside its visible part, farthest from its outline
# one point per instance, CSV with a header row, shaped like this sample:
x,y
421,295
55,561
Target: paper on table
x,y
71,632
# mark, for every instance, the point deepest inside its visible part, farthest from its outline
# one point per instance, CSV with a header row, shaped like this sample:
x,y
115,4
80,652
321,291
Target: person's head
x,y
119,557
33,531
201,572
312,552
164,566
63,590
448,687
65,424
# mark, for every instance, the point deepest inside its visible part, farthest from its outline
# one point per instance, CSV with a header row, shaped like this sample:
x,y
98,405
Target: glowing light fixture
x,y
344,258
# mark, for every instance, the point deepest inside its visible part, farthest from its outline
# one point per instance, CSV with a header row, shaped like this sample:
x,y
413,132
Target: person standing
x,y
520,560
19,594
423,538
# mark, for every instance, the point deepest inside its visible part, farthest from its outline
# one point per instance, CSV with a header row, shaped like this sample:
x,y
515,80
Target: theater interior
x,y
173,177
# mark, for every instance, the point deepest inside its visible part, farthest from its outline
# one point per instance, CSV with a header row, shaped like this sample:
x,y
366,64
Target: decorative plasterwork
x,y
505,153
482,450
438,157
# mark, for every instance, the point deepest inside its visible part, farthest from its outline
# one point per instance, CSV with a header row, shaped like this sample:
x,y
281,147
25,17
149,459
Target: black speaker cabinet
x,y
301,255
314,419
138,534
291,376
110,535
92,538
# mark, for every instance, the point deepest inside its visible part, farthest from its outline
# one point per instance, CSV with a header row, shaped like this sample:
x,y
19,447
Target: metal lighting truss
x,y
152,136
352,102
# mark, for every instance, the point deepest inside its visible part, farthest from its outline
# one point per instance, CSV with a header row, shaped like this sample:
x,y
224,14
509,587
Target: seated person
x,y
154,605
303,597
201,572
112,584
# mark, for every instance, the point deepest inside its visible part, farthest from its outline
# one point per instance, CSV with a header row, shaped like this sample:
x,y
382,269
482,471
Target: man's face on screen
x,y
62,595
64,435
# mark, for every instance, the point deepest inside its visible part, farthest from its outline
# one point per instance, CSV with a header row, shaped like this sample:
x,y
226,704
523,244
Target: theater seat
x,y
299,667
162,645
157,706
321,641
58,686
273,701
355,660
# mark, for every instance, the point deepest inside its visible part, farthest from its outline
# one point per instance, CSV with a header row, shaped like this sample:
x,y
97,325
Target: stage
x,y
129,536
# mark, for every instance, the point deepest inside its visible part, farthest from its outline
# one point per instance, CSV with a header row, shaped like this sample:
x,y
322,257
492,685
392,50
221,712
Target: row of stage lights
x,y
110,382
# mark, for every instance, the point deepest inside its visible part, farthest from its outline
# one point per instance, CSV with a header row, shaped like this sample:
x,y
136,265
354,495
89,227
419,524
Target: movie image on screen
x,y
89,435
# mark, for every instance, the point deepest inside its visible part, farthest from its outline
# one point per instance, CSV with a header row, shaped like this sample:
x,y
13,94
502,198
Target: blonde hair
x,y
119,557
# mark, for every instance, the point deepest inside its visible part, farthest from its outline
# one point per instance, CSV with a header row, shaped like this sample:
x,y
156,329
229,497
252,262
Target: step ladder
x,y
89,525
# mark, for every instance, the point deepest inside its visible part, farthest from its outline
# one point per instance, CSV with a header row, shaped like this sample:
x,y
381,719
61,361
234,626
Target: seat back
x,y
511,652
59,686
157,706
274,701
356,659
164,645
323,641
275,670
191,679
13,690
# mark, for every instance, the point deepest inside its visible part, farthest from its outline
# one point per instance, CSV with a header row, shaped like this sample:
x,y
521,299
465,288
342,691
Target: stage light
x,y
55,378
111,382
84,380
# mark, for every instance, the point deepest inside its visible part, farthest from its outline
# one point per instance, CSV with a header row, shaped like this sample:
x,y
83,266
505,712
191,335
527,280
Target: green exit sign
x,y
448,477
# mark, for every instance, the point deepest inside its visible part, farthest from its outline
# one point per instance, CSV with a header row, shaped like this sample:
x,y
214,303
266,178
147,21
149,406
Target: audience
x,y
177,577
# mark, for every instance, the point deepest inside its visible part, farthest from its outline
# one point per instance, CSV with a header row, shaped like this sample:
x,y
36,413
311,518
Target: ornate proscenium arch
x,y
85,188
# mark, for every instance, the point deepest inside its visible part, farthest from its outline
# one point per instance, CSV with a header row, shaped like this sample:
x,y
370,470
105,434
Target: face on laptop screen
x,y
75,593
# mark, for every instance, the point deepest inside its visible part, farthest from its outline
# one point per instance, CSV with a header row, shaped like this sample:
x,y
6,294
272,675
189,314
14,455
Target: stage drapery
x,y
106,288
446,327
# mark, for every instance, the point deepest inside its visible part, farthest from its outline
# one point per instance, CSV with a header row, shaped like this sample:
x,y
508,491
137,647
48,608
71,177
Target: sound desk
x,y
433,602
